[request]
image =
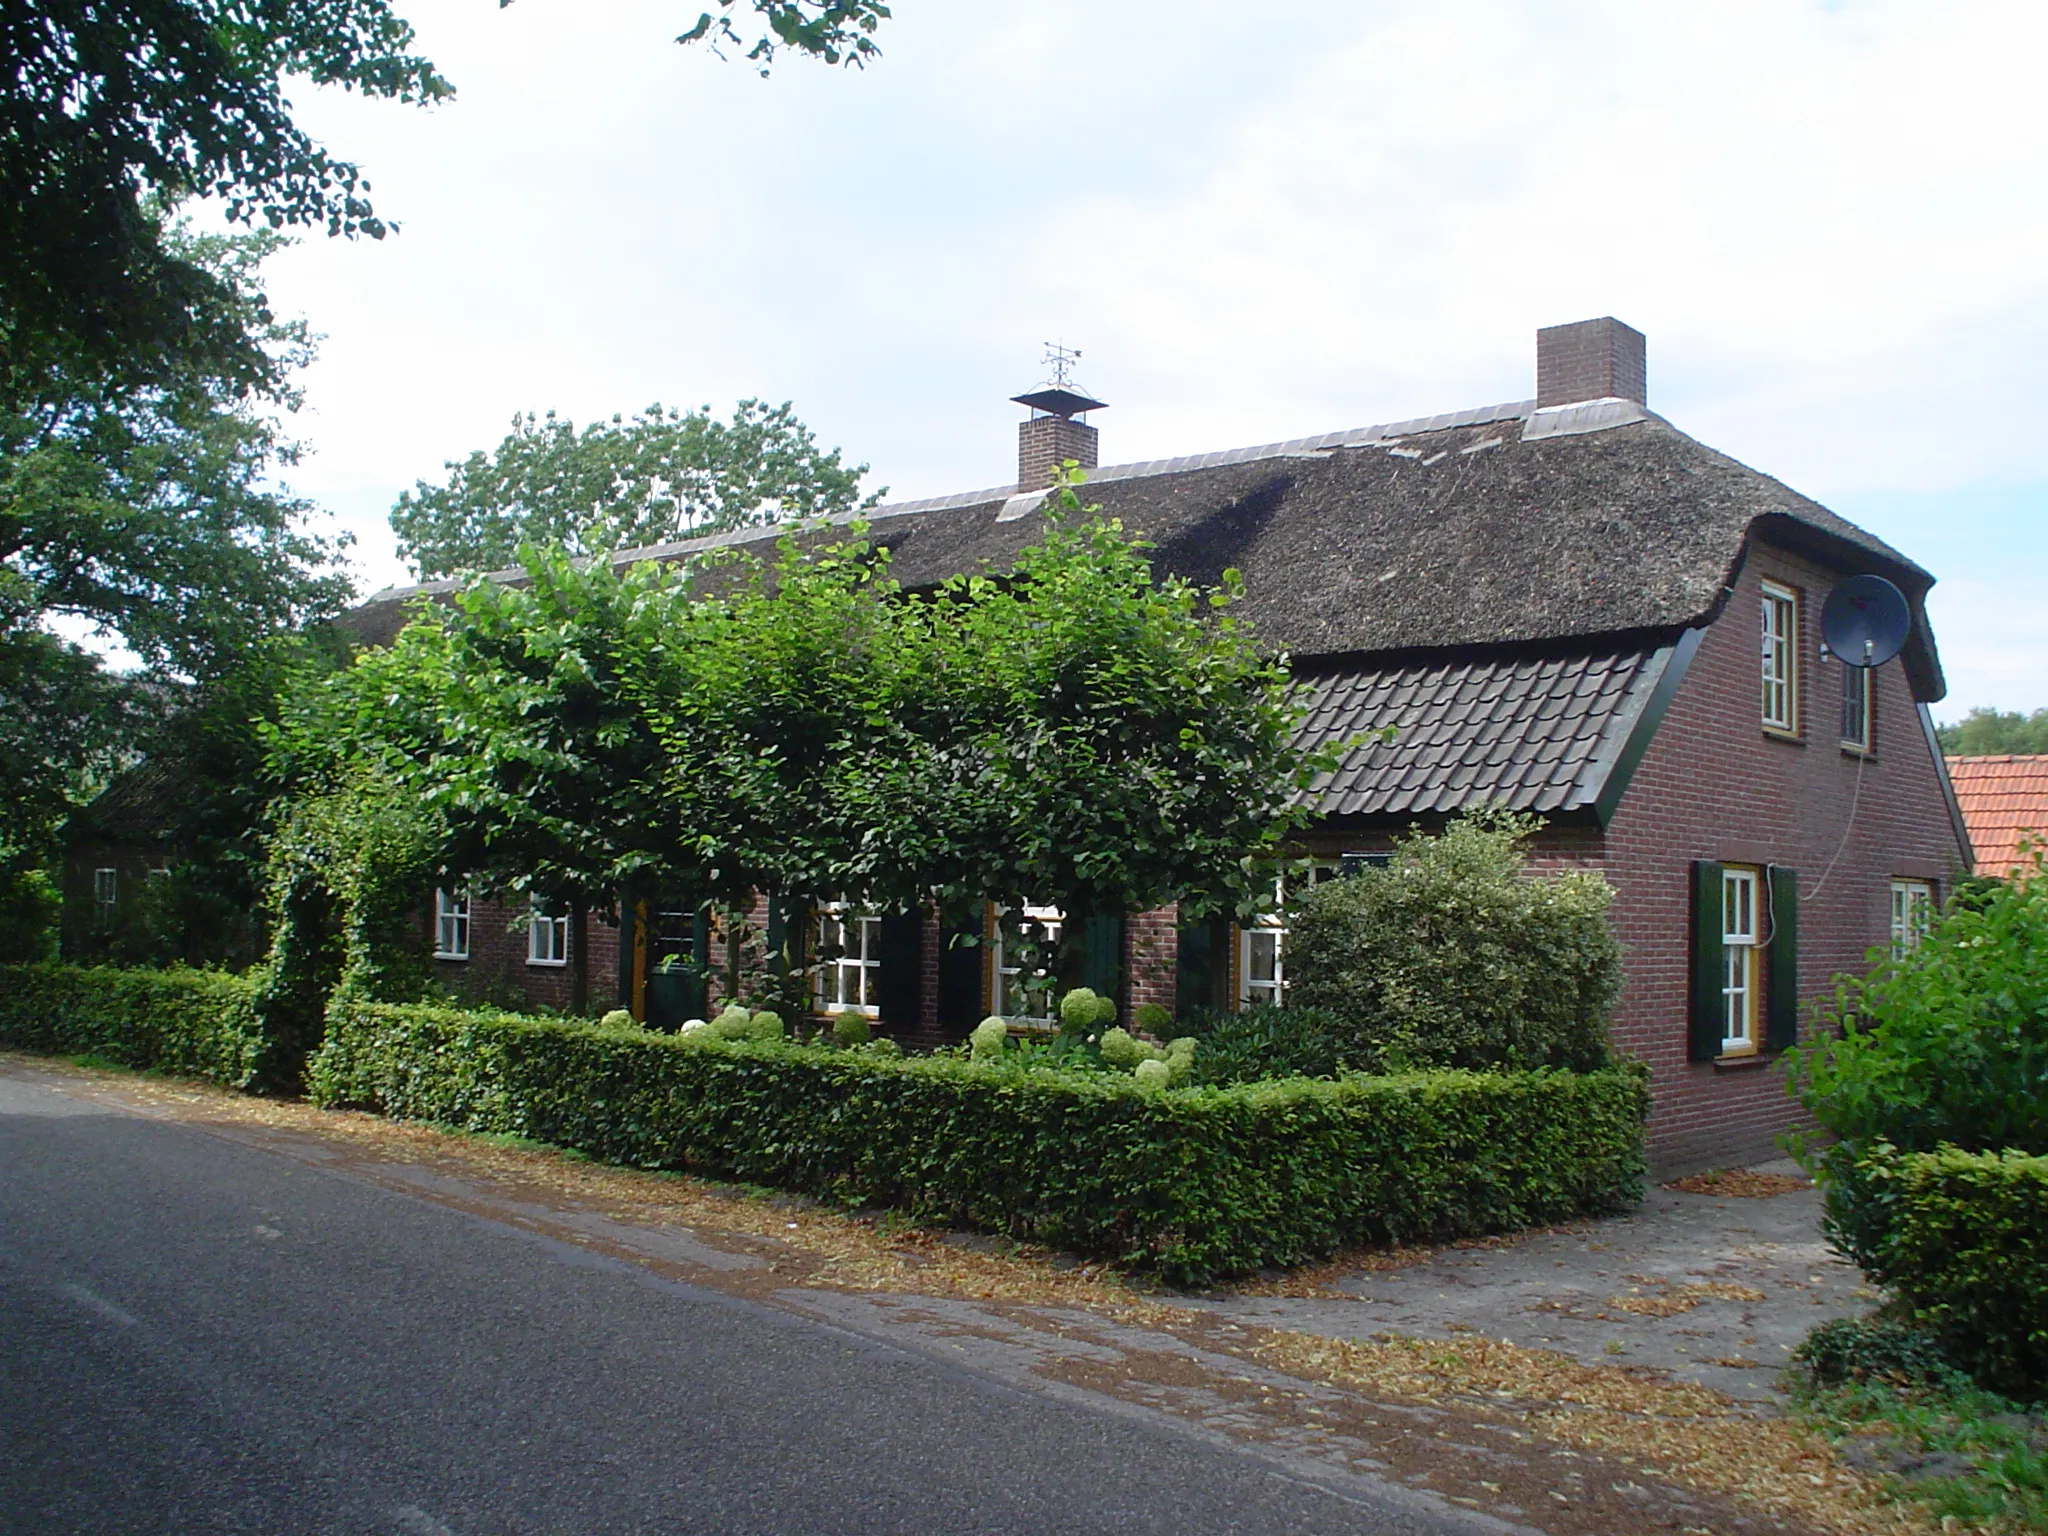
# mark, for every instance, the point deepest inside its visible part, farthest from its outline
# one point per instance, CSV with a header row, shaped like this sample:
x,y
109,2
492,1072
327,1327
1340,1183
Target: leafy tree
x,y
1988,732
147,512
1093,737
113,102
626,483
837,31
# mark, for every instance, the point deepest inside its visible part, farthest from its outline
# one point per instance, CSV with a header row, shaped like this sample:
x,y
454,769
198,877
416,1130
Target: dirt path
x,y
1468,1418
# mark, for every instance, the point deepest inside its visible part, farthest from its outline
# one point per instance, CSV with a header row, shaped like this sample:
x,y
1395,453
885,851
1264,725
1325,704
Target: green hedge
x,y
1193,1183
1963,1242
192,1023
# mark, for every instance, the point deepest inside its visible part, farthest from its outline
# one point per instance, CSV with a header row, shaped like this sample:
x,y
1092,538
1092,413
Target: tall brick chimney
x,y
1590,360
1051,436
1046,442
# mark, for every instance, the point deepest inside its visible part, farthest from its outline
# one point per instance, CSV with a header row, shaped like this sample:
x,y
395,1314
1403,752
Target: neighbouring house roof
x,y
2001,797
1538,733
1505,526
140,806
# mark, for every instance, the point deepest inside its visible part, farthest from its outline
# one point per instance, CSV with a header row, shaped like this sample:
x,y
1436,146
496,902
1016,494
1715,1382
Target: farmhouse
x,y
1564,604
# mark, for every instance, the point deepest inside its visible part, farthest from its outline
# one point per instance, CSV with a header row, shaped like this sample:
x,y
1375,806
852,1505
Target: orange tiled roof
x,y
2001,797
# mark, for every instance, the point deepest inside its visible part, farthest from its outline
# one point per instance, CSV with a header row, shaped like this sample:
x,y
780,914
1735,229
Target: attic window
x,y
106,886
1856,709
1780,659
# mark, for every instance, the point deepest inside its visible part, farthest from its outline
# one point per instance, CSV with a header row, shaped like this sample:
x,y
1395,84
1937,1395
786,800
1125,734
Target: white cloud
x,y
1829,219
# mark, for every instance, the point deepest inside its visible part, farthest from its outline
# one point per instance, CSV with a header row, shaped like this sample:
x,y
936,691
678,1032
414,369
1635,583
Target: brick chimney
x,y
1590,360
1046,442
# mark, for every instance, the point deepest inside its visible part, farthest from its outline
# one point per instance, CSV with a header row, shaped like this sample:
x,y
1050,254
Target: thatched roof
x,y
1501,527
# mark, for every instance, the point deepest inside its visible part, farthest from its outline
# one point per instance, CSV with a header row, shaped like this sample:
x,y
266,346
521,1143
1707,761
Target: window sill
x,y
439,955
1850,749
1754,1061
1789,738
547,965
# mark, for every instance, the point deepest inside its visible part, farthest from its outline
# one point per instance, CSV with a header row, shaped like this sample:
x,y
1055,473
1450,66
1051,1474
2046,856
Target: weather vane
x,y
1061,360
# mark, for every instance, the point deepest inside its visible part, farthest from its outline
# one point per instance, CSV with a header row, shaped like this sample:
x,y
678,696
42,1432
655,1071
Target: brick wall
x,y
498,971
1714,786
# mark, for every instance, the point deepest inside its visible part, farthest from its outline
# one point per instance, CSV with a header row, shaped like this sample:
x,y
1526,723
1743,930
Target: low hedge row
x,y
192,1023
1191,1183
1962,1239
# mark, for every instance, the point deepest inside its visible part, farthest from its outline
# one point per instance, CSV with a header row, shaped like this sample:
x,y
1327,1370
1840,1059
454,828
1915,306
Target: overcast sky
x,y
1257,221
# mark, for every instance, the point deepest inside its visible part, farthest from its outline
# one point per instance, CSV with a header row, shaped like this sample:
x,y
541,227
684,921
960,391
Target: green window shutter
x,y
961,1003
1707,1023
1781,1021
899,979
1102,955
777,932
1194,984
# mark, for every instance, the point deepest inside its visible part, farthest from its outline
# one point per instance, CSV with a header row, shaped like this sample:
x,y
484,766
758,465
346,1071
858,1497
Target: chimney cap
x,y
1058,400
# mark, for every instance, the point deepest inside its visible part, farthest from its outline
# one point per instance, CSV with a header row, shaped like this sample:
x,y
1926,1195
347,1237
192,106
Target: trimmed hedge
x,y
192,1023
1962,1240
1192,1183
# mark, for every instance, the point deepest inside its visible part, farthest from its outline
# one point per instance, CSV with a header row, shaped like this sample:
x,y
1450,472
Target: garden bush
x,y
1948,1044
191,1023
1243,1045
1961,1240
1191,1183
1453,956
1944,1046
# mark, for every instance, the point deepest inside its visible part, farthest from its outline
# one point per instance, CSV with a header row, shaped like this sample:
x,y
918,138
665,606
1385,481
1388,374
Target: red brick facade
x,y
1713,784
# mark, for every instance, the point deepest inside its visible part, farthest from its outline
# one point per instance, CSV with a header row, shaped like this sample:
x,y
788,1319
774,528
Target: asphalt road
x,y
201,1336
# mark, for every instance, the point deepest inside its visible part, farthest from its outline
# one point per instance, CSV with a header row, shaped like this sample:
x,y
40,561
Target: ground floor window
x,y
1023,947
1261,962
451,925
1739,968
547,936
1912,913
849,943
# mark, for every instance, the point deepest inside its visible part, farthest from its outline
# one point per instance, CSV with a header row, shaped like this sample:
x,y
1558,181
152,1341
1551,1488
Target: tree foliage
x,y
112,103
837,31
1988,733
146,511
625,483
1071,730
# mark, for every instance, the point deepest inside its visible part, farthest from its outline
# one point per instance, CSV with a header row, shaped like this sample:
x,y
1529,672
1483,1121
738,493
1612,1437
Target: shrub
x,y
30,911
1452,956
191,1023
1192,1183
1083,1009
1857,1349
617,1018
1125,1051
1245,1045
1153,1019
1947,1045
850,1029
989,1040
1961,1239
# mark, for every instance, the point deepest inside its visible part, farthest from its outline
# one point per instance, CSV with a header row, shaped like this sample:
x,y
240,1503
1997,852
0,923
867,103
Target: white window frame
x,y
547,936
1741,906
106,887
1263,939
1912,915
1780,659
1856,701
451,925
851,983
1005,980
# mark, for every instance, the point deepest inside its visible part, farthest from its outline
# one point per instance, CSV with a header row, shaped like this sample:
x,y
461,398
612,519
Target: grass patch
x,y
92,1061
1963,1454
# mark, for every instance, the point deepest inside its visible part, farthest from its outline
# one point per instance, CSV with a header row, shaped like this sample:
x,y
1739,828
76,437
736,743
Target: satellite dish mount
x,y
1865,622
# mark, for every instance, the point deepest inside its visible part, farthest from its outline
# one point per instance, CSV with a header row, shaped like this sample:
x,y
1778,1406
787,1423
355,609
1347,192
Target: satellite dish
x,y
1865,621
